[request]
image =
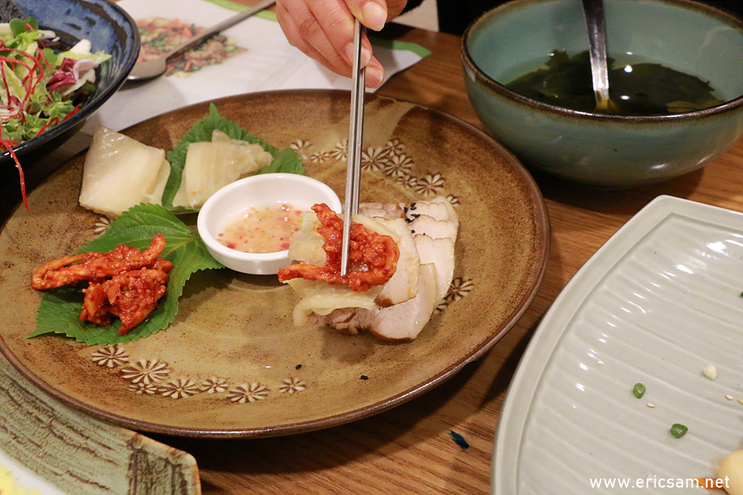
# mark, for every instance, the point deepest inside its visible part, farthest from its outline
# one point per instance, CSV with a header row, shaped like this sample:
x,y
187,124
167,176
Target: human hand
x,y
323,29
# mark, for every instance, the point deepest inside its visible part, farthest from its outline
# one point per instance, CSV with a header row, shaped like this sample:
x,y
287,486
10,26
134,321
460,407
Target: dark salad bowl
x,y
110,29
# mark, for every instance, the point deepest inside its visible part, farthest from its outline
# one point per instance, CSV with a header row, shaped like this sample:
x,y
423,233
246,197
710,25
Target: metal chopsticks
x,y
355,141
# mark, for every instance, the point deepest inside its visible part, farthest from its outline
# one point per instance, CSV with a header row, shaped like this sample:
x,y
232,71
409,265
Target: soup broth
x,y
642,88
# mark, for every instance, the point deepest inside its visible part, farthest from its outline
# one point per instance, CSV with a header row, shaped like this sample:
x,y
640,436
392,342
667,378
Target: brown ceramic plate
x,y
233,364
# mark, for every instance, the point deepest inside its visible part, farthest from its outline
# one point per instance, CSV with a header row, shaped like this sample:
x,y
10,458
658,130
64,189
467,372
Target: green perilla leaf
x,y
59,310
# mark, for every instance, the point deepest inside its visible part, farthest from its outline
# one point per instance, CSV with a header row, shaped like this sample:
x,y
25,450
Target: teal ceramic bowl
x,y
602,150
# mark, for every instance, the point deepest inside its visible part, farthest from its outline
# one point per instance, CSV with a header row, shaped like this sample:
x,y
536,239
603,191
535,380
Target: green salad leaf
x,y
284,161
59,310
54,92
18,26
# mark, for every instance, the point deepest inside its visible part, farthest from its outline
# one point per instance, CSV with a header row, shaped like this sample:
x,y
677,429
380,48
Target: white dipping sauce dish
x,y
226,204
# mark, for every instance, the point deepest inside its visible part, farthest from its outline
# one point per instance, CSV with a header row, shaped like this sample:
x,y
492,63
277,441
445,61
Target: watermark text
x,y
657,482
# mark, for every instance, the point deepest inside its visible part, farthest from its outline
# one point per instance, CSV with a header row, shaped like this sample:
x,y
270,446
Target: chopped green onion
x,y
678,430
639,390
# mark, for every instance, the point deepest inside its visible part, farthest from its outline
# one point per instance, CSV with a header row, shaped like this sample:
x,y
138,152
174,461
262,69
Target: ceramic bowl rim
x,y
204,217
493,85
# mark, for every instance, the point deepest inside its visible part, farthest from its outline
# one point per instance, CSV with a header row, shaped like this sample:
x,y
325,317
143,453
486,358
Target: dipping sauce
x,y
636,88
263,229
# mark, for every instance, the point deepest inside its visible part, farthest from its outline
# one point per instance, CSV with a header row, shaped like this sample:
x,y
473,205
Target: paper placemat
x,y
261,60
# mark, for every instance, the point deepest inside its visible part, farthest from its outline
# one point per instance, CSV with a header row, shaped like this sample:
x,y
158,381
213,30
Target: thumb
x,y
370,13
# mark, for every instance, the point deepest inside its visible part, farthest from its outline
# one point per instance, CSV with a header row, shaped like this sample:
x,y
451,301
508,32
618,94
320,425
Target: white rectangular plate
x,y
655,305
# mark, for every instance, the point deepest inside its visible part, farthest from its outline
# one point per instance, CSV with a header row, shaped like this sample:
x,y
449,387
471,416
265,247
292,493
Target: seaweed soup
x,y
634,89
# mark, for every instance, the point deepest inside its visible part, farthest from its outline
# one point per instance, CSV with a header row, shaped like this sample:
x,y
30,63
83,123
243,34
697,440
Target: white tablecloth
x,y
269,63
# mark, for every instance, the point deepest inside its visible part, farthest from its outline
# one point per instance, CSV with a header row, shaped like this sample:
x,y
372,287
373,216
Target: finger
x,y
374,76
370,13
286,21
345,71
303,30
366,51
295,39
338,25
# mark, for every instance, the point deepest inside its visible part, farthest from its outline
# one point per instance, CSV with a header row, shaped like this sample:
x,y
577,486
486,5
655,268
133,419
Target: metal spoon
x,y
593,12
150,69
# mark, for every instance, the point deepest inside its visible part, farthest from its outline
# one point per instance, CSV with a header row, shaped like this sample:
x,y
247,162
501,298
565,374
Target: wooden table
x,y
409,450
